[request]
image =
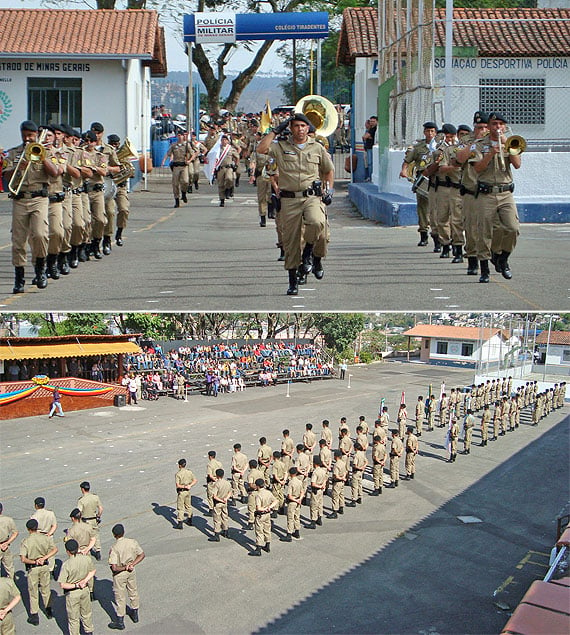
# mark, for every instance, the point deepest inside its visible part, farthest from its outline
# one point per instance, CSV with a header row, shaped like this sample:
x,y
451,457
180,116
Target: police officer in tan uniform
x,y
412,448
91,509
302,163
261,179
213,465
72,205
9,598
239,468
498,222
378,460
396,450
124,556
179,154
47,522
225,169
419,153
8,533
184,481
199,150
265,502
94,187
29,208
221,494
319,480
122,201
74,578
278,481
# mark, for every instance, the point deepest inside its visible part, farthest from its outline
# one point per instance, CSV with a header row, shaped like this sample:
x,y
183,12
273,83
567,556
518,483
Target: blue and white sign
x,y
221,27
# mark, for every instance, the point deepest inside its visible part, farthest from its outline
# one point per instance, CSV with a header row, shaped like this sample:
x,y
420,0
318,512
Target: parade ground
x,y
452,551
202,257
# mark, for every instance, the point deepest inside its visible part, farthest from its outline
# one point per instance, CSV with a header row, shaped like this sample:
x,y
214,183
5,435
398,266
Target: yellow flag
x,y
265,123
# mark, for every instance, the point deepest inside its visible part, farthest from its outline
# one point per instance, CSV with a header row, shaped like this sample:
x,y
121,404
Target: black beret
x,y
98,127
59,127
85,485
113,138
47,127
90,136
75,513
118,530
480,117
71,545
28,125
254,122
260,482
40,501
430,124
497,116
32,524
299,116
463,127
448,128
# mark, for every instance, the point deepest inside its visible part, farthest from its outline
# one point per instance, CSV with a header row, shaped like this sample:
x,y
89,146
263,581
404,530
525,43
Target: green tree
x,y
339,330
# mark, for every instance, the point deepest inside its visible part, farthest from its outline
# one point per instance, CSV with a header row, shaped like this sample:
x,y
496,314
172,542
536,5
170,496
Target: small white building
x,y
462,345
554,351
79,66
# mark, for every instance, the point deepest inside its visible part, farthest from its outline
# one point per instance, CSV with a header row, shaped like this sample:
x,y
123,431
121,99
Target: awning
x,y
67,349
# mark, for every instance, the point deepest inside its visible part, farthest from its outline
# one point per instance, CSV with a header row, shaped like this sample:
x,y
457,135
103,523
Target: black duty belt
x,y
32,566
441,183
177,164
98,187
91,518
78,190
36,194
59,197
487,188
303,194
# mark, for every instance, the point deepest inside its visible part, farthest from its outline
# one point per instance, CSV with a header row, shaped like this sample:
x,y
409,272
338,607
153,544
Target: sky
x,y
176,58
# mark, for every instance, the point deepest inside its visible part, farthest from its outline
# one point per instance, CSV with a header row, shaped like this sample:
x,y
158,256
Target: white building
x,y
555,351
462,345
79,66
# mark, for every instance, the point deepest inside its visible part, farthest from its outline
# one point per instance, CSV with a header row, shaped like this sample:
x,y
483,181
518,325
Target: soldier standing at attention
x,y
9,598
253,475
453,435
326,433
378,460
359,464
361,438
319,481
411,452
402,418
184,481
325,454
278,480
339,478
485,421
396,450
8,533
239,467
265,502
420,415
85,537
300,162
309,439
443,410
124,556
221,493
294,501
179,154
496,419
468,424
35,553
287,449
29,208
74,578
91,510
213,465
47,523
385,419
431,405
264,454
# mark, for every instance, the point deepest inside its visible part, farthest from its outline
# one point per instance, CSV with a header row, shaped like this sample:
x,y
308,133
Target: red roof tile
x,y
446,332
83,33
556,337
493,32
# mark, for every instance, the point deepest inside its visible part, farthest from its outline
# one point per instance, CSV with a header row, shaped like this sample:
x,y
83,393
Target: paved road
x,y
205,258
401,563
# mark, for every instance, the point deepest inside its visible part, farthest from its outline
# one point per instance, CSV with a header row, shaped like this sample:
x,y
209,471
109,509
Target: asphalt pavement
x,y
201,257
434,556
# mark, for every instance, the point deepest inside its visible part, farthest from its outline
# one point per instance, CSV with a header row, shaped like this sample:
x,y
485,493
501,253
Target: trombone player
x,y
498,222
29,169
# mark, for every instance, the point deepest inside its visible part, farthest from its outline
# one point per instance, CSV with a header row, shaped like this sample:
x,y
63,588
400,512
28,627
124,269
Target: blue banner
x,y
220,27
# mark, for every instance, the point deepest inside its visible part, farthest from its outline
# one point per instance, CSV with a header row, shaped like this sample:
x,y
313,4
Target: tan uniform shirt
x,y
75,569
299,167
46,520
89,505
124,551
239,462
184,477
36,546
222,488
82,532
7,528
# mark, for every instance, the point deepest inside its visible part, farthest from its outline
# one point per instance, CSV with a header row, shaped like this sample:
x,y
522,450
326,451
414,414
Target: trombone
x,y
34,152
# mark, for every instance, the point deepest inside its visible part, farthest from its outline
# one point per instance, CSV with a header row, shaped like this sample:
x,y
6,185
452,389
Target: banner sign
x,y
222,27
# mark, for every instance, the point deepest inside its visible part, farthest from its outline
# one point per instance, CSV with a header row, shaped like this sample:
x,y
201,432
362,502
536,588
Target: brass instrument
x,y
126,153
320,112
34,152
515,145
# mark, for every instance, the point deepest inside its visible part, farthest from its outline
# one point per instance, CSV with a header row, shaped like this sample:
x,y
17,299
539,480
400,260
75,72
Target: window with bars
x,y
522,101
441,348
54,100
466,350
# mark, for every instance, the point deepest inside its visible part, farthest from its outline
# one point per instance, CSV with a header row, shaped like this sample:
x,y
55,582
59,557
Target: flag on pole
x,y
382,403
403,399
266,116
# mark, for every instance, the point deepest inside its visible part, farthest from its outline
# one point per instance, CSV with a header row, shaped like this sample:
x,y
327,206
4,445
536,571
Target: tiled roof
x,y
445,332
492,32
556,337
83,33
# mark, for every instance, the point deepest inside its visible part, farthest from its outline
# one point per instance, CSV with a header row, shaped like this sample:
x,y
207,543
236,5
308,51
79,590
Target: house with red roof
x,y
554,350
79,66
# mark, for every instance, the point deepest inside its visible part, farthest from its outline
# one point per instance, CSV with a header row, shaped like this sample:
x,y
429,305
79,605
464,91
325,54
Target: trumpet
x,y
34,152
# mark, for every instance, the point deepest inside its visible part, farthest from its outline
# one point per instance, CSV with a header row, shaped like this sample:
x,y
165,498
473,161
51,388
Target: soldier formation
x,y
65,187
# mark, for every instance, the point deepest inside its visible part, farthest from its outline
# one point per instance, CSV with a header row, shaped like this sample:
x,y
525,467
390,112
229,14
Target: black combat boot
x,y
308,258
485,274
222,202
318,268
293,286
495,261
214,538
423,239
52,271
341,510
472,266
231,191
281,255
73,257
301,276
457,253
62,264
34,619
237,179
106,245
311,525
286,538
176,202
267,547
262,221
445,251
197,187
119,237
133,614
118,624
95,249
436,244
504,265
189,189
178,525
255,552
188,521
41,277
19,281
184,197
82,255
296,534
332,515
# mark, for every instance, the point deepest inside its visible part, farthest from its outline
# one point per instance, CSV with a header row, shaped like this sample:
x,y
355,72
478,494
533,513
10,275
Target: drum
x,y
421,185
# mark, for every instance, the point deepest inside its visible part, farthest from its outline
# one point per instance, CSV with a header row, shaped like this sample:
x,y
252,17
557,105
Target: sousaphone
x,y
320,112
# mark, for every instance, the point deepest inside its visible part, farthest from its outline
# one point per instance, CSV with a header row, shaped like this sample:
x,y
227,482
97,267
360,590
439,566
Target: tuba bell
x,y
320,112
515,145
126,154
